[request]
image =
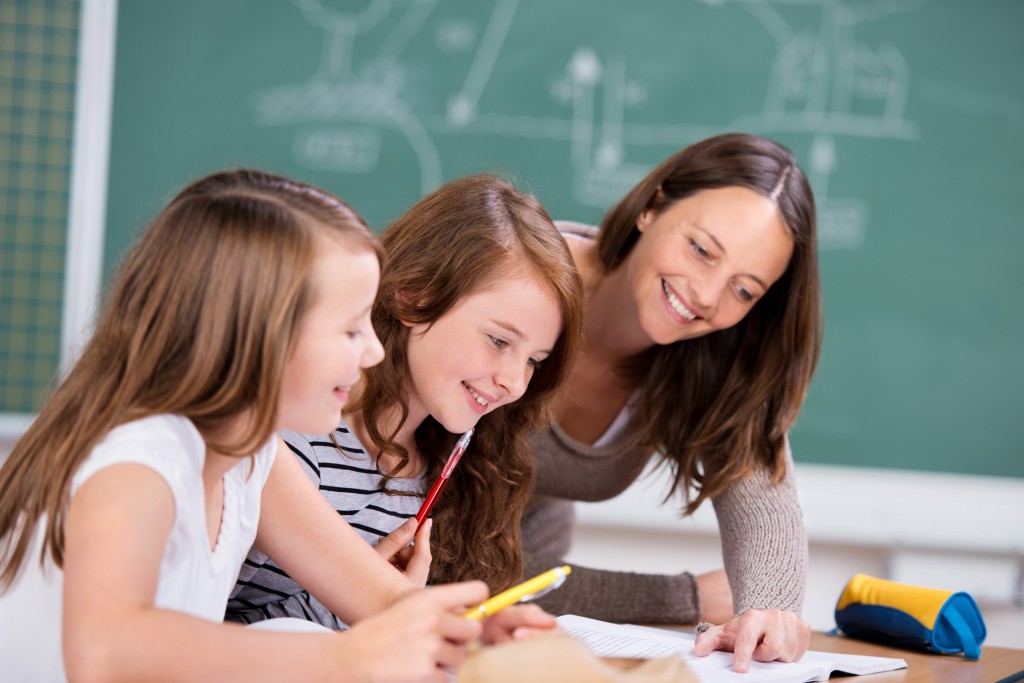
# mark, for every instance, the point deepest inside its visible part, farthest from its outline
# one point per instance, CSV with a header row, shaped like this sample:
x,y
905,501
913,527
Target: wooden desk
x,y
996,663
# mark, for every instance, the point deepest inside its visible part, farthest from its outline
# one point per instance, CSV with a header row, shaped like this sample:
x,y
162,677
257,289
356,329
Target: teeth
x,y
676,304
479,399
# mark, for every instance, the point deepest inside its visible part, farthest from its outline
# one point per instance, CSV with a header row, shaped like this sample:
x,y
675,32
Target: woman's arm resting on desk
x,y
715,597
620,596
765,552
597,593
764,545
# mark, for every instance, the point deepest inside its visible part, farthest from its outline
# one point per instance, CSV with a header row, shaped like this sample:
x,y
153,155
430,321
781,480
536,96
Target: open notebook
x,y
622,640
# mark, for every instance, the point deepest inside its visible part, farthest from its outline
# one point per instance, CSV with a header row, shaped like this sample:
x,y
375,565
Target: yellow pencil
x,y
527,590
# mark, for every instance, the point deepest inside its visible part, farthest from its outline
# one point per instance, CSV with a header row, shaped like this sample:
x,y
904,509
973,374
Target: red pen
x,y
442,479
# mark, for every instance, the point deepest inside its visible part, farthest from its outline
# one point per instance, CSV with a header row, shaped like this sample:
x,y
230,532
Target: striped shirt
x,y
350,481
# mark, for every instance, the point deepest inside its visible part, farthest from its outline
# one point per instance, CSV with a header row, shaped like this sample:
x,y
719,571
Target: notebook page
x,y
625,640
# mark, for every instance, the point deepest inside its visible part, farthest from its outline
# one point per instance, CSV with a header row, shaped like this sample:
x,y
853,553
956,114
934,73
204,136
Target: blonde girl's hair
x,y
717,407
200,320
452,243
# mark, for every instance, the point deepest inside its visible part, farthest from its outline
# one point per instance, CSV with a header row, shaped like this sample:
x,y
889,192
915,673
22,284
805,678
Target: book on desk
x,y
625,640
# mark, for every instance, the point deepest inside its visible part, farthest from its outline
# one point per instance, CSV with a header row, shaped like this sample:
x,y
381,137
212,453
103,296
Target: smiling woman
x,y
701,332
712,256
479,312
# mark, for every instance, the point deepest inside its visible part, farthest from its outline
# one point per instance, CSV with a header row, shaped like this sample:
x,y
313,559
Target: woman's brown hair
x,y
719,406
452,243
200,321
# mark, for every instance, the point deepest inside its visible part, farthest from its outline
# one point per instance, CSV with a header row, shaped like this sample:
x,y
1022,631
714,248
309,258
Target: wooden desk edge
x,y
996,663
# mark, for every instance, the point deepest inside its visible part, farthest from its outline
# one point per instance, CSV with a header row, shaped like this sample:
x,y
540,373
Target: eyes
x,y
704,254
701,252
357,328
501,344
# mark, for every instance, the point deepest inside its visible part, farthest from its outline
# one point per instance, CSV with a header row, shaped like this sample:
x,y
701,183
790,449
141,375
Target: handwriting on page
x,y
648,645
617,645
626,640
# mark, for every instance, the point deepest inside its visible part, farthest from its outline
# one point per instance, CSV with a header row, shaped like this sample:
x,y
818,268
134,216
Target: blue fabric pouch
x,y
903,615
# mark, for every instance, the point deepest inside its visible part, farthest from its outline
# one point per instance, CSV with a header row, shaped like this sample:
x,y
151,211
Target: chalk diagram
x,y
341,111
822,83
826,84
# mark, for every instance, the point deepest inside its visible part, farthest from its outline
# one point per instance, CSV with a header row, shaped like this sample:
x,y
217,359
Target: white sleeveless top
x,y
193,579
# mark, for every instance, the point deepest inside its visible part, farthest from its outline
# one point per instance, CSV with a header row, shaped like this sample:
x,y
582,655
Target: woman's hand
x,y
410,555
761,635
518,622
715,597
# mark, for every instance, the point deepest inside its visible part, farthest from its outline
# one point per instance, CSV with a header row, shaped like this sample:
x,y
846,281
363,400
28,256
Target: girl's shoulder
x,y
342,436
572,229
169,444
340,446
582,241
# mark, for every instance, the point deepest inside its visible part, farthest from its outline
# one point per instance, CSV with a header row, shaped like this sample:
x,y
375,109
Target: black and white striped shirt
x,y
350,481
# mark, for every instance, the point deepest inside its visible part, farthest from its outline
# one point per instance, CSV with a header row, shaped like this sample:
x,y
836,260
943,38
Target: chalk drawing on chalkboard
x,y
822,82
597,146
827,83
462,105
355,149
339,111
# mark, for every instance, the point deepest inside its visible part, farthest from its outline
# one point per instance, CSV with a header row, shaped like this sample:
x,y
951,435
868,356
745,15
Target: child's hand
x,y
414,638
518,623
412,558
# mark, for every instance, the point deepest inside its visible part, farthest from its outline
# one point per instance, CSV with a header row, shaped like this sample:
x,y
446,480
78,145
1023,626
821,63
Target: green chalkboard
x,y
908,116
38,58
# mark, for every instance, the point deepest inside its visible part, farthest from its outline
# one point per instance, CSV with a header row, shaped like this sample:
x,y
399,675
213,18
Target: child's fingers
x,y
423,533
519,616
518,623
450,656
401,558
417,565
457,597
457,629
398,539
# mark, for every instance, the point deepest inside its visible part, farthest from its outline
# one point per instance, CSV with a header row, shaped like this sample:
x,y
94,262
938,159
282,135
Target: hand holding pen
x,y
409,556
505,618
542,584
442,479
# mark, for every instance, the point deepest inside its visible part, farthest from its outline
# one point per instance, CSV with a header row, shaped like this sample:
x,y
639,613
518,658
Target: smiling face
x,y
335,339
482,353
702,263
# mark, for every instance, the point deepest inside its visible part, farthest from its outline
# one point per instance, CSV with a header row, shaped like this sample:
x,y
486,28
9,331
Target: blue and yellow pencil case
x,y
911,616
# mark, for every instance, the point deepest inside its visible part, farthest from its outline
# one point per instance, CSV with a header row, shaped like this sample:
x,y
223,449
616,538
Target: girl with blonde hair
x,y
132,499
